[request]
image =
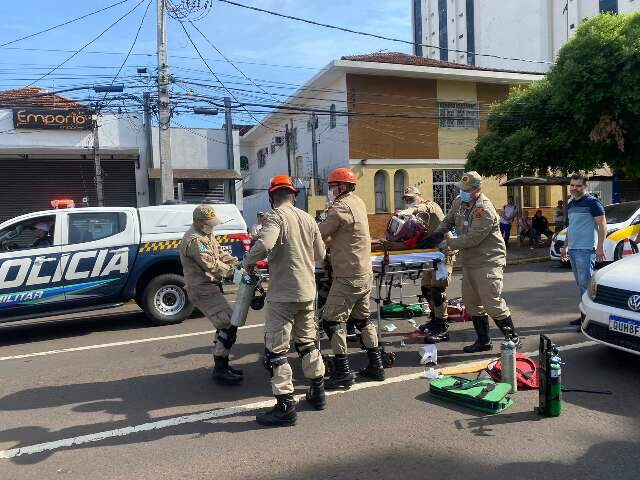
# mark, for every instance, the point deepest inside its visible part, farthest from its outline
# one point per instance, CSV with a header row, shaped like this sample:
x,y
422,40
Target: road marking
x,y
116,344
212,414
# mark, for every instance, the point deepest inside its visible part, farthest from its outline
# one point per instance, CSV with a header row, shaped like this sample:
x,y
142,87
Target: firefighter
x,y
484,256
347,228
205,266
434,291
292,243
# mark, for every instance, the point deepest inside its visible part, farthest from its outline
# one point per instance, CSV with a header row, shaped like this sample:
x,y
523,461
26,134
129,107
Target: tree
x,y
584,114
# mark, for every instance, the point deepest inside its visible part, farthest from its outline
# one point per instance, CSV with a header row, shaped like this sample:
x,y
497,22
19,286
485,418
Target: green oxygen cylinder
x,y
555,387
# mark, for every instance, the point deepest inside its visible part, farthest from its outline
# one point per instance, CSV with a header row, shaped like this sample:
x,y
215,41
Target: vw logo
x,y
634,303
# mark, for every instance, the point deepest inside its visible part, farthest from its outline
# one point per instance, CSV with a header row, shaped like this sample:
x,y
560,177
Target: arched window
x,y
380,183
399,180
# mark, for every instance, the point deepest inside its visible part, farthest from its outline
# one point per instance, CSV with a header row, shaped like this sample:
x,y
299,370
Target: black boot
x,y
439,332
508,330
375,369
224,361
283,414
341,376
315,395
426,297
223,374
483,343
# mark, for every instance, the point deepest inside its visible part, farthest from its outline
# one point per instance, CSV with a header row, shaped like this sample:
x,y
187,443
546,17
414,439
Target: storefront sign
x,y
76,119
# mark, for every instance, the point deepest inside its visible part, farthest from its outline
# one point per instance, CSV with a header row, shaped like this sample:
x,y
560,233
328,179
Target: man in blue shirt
x,y
585,234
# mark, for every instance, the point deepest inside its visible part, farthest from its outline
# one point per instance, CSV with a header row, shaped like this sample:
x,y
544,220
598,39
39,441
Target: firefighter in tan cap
x,y
347,227
291,241
433,290
483,254
205,265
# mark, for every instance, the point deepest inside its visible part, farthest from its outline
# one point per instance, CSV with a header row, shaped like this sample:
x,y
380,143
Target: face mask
x,y
410,204
465,196
207,229
331,196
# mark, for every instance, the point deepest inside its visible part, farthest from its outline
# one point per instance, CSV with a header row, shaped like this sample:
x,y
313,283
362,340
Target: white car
x,y
623,221
611,306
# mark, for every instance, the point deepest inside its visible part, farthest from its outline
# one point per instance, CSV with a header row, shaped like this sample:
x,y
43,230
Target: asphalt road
x,y
104,397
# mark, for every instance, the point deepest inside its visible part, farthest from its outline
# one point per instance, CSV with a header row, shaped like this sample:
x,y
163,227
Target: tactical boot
x,y
283,414
235,371
508,330
426,297
315,395
375,369
483,343
341,376
439,332
223,374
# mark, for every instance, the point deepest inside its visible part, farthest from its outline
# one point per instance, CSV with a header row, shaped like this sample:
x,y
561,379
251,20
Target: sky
x,y
272,51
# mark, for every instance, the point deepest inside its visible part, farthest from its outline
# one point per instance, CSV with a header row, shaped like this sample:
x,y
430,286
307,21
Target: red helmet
x,y
282,181
342,175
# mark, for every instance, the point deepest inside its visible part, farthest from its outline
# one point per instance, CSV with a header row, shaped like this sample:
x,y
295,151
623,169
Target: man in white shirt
x,y
509,213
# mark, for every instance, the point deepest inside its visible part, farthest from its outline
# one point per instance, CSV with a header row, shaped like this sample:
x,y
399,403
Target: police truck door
x,y
99,247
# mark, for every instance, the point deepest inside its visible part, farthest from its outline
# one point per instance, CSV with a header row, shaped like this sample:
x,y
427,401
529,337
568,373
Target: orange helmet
x,y
282,181
342,175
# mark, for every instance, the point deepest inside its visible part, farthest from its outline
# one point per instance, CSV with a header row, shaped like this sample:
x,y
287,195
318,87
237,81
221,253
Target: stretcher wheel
x,y
329,364
388,359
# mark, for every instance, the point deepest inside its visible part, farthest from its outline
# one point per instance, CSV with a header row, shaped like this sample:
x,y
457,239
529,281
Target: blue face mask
x,y
465,196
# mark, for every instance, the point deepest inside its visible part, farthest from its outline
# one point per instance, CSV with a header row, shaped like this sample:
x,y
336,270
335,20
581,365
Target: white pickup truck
x,y
79,259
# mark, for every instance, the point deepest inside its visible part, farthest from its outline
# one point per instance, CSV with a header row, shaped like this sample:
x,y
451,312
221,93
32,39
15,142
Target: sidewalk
x,y
517,254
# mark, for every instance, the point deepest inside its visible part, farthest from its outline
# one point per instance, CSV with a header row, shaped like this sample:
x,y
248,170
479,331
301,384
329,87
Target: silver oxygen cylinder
x,y
508,362
246,289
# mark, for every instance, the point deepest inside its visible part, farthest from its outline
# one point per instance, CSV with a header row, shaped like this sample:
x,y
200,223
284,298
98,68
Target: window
x,y
244,163
398,189
608,6
89,227
442,24
544,199
36,232
380,182
527,196
459,115
445,188
262,158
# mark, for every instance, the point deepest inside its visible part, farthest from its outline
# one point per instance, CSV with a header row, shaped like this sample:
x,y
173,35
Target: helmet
x,y
342,175
280,182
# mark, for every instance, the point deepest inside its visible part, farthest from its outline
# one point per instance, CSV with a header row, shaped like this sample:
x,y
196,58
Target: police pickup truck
x,y
80,259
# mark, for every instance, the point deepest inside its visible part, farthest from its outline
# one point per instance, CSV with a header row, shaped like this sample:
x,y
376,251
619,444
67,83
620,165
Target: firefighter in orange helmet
x,y
347,227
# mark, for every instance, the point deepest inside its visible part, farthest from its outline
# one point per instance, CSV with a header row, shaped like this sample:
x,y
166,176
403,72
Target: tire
x,y
165,301
617,254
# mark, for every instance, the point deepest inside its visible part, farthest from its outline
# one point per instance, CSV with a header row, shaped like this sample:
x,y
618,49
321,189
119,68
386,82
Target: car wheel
x,y
617,254
165,300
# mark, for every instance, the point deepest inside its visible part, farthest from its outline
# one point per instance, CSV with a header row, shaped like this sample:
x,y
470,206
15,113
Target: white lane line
x,y
211,414
116,344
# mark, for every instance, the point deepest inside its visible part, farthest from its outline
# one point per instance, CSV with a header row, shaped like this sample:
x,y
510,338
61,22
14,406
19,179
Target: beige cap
x,y
207,214
469,181
411,192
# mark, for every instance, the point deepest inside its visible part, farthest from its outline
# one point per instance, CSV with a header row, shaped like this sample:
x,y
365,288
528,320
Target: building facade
x,y
527,34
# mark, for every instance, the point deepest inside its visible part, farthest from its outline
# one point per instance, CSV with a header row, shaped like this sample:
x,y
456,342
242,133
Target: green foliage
x,y
584,114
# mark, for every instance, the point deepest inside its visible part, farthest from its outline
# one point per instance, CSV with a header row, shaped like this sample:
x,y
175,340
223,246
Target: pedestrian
x,y
292,243
255,228
508,214
524,227
346,227
205,266
483,256
539,227
433,291
584,241
558,216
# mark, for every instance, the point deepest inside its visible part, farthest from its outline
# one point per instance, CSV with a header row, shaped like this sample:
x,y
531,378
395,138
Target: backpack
x,y
483,394
526,372
408,229
456,310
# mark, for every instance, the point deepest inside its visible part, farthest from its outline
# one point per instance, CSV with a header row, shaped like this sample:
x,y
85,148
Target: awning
x,y
523,181
198,174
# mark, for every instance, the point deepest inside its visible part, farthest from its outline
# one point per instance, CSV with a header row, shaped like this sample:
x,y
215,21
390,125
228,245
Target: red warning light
x,y
64,203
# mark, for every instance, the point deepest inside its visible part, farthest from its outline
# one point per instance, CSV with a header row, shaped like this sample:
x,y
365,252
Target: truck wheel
x,y
165,301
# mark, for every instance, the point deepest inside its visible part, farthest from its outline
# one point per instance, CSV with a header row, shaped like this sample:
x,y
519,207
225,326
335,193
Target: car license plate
x,y
624,325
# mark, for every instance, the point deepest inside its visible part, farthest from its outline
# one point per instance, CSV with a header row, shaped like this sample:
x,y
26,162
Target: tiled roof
x,y
405,59
32,97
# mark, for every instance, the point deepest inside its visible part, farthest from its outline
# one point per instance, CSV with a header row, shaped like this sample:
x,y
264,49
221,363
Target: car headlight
x,y
593,288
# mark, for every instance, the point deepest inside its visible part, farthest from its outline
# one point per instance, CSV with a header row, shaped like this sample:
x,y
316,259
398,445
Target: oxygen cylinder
x,y
246,289
508,361
555,387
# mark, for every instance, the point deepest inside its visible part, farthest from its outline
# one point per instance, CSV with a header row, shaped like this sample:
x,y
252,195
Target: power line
x,y
63,24
87,44
375,35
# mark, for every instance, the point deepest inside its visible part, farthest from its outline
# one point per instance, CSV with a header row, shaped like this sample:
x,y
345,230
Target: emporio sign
x,y
75,119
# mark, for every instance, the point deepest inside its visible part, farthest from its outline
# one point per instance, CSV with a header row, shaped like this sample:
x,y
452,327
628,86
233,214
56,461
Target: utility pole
x,y
96,163
164,109
287,140
230,160
314,153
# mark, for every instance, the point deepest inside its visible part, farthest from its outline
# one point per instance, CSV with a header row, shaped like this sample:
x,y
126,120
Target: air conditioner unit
x,y
279,140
